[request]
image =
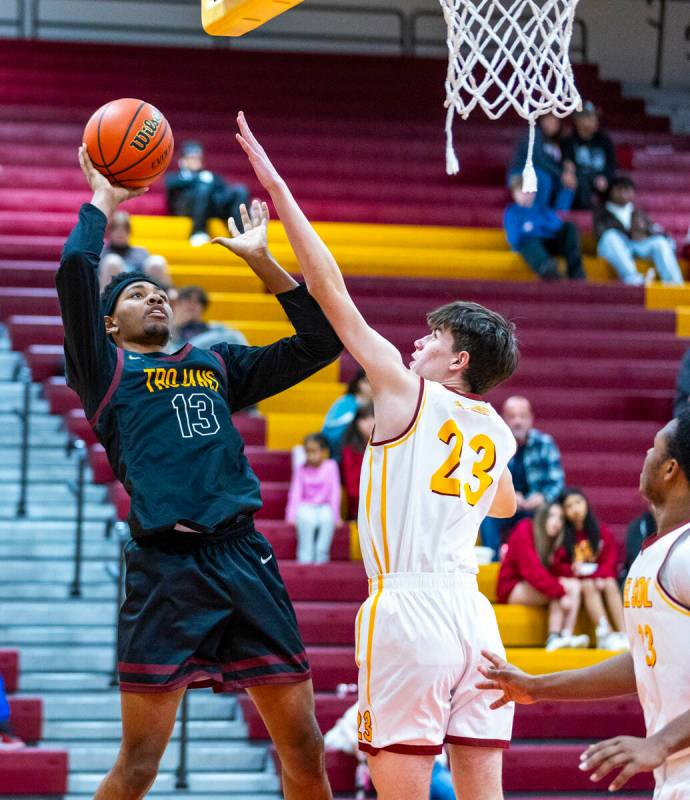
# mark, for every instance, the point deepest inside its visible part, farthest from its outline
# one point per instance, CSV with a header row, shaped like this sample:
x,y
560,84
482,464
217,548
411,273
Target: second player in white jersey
x,y
656,600
424,493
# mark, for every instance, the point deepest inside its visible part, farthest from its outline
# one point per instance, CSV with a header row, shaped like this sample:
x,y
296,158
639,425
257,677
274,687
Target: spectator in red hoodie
x,y
525,578
589,552
355,442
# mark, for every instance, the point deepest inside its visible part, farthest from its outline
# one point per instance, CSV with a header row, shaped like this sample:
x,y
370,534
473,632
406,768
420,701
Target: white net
x,y
506,54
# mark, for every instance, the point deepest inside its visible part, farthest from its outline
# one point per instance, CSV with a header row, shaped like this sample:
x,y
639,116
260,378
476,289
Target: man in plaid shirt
x,y
536,469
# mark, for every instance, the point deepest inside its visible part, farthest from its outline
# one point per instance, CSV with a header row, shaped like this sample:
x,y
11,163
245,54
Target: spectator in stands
x,y
8,741
343,411
593,155
625,232
547,156
354,444
682,385
198,193
589,553
535,230
343,737
536,470
189,325
525,579
640,528
119,255
314,502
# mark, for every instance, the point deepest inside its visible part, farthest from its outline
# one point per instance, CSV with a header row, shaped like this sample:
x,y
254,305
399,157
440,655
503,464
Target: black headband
x,y
108,303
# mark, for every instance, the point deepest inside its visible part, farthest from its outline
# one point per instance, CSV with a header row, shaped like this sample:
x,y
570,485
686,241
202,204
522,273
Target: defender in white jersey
x,y
656,601
436,467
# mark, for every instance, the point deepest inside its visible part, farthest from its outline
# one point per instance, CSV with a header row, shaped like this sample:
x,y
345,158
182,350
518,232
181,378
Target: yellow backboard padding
x,y
237,17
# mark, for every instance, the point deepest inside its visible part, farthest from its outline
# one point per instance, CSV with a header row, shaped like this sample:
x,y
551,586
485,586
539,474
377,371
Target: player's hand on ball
x,y
253,241
629,752
515,685
264,169
99,184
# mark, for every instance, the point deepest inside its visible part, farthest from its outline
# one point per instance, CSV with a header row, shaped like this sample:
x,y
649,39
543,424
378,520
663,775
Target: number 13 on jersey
x,y
443,482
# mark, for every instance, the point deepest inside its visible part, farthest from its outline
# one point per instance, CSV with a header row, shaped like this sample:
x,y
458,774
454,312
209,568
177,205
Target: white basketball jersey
x,y
658,627
424,493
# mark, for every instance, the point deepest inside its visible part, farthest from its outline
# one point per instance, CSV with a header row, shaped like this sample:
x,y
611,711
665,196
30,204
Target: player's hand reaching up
x,y
515,685
264,169
106,197
252,243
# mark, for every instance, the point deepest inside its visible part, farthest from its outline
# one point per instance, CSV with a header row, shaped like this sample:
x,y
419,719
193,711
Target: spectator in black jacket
x,y
682,385
593,154
201,194
640,528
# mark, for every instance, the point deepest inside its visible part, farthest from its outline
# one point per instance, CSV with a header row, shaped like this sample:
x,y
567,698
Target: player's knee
x,y
139,769
303,756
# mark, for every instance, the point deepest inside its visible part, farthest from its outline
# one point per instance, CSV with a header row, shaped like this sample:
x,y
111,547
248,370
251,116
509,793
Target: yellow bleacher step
x,y
228,279
536,660
314,398
661,296
522,626
487,580
284,430
245,306
258,332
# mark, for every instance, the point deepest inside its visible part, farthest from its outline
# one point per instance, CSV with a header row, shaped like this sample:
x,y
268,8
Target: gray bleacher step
x,y
50,536
14,390
92,513
57,733
11,456
41,682
61,572
203,757
105,705
40,422
206,794
53,493
39,471
106,549
58,591
39,440
64,635
9,402
240,783
19,527
80,658
69,611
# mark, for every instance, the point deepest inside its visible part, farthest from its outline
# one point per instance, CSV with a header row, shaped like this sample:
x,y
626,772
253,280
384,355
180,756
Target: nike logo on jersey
x,y
267,559
135,358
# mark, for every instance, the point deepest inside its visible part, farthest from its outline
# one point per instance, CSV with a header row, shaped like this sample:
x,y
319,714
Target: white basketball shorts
x,y
419,638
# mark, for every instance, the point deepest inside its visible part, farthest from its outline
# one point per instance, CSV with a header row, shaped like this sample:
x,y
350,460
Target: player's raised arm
x,y
379,357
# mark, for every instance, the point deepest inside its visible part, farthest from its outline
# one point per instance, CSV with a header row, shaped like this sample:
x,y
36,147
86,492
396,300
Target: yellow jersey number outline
x,y
647,637
364,735
442,481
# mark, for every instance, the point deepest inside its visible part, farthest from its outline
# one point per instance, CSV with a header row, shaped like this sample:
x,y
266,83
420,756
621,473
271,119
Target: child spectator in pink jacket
x,y
314,502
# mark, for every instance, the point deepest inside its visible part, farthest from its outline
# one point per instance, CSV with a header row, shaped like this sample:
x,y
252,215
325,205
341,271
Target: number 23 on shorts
x,y
442,481
364,726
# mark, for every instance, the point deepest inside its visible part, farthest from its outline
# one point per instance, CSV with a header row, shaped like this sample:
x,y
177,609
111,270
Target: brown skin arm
x,y
106,197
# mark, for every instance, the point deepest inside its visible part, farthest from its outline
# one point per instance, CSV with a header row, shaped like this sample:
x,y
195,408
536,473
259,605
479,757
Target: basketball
x,y
130,142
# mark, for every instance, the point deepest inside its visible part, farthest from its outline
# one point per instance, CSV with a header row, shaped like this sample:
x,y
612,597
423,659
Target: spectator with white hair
x,y
536,469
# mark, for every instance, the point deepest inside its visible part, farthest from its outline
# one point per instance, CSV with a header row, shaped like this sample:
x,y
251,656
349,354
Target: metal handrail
x,y
25,420
181,773
82,456
581,49
18,19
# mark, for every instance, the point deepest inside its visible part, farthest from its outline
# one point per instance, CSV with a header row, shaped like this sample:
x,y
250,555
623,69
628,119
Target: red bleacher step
x,y
26,714
33,772
9,669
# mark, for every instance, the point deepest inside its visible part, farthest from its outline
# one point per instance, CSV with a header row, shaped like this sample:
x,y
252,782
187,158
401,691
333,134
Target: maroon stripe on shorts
x,y
469,741
404,749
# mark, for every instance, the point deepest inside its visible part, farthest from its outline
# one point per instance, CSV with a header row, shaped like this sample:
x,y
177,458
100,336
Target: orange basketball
x,y
130,142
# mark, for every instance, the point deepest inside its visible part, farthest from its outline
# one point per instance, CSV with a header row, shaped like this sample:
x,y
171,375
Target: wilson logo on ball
x,y
146,133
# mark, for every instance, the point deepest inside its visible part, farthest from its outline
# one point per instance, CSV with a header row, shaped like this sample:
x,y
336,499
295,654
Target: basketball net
x,y
509,54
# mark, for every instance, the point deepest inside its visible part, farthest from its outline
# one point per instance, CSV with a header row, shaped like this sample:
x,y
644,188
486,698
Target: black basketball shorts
x,y
206,611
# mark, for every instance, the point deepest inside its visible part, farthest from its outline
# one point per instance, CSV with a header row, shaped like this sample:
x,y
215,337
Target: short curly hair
x,y
487,336
118,284
678,442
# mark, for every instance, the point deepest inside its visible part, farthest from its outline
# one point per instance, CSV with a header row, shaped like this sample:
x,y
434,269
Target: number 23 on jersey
x,y
443,482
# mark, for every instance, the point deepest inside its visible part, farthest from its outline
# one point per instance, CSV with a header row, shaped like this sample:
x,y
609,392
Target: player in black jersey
x,y
205,604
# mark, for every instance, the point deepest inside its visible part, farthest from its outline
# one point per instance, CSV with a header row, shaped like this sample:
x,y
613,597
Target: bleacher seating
x,y
366,162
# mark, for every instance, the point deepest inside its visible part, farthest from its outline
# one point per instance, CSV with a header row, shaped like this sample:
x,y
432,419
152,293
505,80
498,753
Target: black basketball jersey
x,y
164,420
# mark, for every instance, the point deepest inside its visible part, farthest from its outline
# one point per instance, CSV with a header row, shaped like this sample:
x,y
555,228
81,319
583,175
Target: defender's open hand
x,y
630,753
264,169
504,677
253,241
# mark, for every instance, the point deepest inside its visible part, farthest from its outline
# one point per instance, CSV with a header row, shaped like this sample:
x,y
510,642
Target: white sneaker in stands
x,y
199,239
577,642
9,742
555,642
